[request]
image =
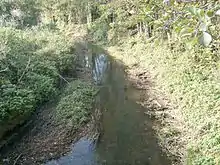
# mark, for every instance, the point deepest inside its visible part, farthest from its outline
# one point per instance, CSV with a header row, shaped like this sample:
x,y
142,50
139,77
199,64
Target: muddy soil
x,y
43,140
160,110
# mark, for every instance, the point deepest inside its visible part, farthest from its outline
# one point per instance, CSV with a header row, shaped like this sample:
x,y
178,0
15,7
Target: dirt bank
x,y
43,140
158,107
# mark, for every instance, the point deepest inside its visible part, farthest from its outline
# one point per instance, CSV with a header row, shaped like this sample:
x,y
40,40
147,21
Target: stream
x,y
127,136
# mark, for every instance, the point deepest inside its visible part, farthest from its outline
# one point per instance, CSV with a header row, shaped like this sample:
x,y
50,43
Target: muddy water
x,y
127,136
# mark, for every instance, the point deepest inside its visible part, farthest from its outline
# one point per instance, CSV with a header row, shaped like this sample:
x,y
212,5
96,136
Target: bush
x,y
19,13
204,160
15,102
31,61
99,31
42,86
75,107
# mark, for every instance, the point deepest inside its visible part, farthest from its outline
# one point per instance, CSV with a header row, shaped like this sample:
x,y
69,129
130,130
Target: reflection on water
x,y
100,64
82,154
84,151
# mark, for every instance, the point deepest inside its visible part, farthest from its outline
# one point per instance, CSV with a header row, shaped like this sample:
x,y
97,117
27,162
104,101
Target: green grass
x,y
75,106
191,81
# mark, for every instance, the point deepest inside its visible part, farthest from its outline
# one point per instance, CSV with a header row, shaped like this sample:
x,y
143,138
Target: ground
x,y
44,139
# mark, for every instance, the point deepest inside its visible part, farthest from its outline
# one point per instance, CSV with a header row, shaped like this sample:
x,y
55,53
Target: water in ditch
x,y
127,136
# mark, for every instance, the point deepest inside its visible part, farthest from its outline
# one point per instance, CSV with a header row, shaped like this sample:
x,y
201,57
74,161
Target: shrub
x,y
42,86
99,31
31,61
204,160
15,102
75,107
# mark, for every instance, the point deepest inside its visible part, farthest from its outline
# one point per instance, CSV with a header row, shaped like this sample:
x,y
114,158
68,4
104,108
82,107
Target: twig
x,y
3,70
63,78
17,159
27,66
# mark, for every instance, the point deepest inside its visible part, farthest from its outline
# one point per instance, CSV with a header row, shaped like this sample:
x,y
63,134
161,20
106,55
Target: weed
x,y
75,106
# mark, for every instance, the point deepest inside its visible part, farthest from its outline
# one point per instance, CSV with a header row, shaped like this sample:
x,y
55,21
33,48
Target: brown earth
x,y
160,109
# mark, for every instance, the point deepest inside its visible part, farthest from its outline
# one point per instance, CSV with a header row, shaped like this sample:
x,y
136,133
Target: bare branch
x,y
4,70
26,69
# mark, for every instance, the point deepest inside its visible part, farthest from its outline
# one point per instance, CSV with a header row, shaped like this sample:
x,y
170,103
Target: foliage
x,y
42,86
185,45
31,62
15,102
179,21
186,61
33,58
75,106
19,13
67,11
99,31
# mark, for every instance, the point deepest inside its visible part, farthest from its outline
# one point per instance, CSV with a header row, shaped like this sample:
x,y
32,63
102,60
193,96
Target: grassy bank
x,y
76,103
191,81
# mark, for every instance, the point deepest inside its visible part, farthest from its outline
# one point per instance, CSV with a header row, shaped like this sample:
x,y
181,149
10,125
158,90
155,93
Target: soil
x,y
44,139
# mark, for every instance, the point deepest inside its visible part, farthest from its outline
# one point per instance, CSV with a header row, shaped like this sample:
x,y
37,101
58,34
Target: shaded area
x,y
82,153
42,137
128,136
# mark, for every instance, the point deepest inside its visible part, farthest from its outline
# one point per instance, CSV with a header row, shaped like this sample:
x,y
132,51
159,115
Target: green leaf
x,y
192,10
210,13
199,13
186,32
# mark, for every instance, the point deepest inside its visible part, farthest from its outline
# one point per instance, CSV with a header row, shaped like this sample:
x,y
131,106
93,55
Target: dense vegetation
x,y
31,62
178,41
75,106
33,55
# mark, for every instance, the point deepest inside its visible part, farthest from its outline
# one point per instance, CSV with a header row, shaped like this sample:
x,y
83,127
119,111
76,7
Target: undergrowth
x,y
190,79
76,103
31,62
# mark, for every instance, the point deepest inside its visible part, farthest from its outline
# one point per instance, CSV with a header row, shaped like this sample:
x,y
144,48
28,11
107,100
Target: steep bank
x,y
186,92
49,133
155,104
50,129
32,62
